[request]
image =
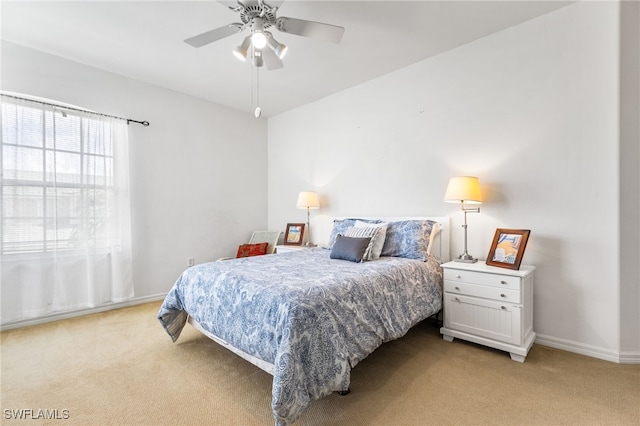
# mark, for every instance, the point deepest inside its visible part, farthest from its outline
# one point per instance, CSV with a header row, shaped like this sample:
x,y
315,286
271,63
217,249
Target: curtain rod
x,y
129,120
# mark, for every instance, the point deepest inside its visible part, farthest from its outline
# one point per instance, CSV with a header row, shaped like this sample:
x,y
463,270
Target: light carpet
x,y
120,368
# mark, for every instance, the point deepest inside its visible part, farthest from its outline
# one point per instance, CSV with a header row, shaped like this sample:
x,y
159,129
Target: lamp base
x,y
465,258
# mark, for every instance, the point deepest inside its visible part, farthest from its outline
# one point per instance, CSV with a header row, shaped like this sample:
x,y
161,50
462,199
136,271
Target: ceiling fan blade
x,y
213,35
271,60
230,4
311,29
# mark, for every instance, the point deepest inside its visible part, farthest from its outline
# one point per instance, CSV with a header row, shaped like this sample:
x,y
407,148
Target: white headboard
x,y
440,243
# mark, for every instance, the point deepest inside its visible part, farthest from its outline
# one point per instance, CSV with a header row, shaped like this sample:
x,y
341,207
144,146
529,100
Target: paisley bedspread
x,y
312,317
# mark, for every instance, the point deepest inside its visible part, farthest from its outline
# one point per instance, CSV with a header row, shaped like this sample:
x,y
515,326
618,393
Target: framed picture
x,y
294,233
508,247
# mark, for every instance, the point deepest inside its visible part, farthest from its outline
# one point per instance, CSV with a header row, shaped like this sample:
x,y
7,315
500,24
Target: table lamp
x,y
308,200
464,189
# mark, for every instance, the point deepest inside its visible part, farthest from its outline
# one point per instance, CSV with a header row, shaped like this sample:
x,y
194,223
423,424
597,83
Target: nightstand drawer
x,y
496,280
486,292
486,318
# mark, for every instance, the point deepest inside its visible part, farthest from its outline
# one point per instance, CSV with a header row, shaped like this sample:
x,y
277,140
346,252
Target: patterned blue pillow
x,y
340,226
408,238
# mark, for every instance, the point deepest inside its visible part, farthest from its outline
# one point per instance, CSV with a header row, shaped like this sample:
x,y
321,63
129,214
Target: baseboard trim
x,y
541,339
80,312
629,357
588,350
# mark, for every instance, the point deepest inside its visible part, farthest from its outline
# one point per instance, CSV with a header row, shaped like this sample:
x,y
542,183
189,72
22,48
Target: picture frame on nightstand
x,y
294,234
507,248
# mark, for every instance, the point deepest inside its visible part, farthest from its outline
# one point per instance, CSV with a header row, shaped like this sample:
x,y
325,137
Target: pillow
x,y
408,238
247,250
378,240
340,226
348,248
362,232
435,230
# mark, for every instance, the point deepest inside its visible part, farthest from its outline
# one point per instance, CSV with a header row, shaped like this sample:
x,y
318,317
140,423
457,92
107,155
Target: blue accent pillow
x,y
348,248
408,238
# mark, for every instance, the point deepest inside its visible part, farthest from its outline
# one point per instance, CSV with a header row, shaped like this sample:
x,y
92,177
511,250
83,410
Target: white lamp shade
x,y
463,189
308,199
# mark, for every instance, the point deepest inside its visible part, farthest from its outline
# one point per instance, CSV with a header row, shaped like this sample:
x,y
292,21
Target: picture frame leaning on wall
x,y
507,248
294,234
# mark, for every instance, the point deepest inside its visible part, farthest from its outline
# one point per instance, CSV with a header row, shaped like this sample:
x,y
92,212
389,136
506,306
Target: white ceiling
x,y
144,40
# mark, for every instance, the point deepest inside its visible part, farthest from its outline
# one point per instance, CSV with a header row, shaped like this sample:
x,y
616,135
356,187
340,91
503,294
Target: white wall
x,y
533,112
630,176
198,172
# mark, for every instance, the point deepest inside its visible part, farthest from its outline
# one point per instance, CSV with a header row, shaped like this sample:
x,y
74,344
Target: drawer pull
x,y
503,295
503,282
457,288
458,276
503,307
456,299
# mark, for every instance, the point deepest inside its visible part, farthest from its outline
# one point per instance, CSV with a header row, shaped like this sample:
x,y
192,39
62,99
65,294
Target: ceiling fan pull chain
x,y
258,111
252,78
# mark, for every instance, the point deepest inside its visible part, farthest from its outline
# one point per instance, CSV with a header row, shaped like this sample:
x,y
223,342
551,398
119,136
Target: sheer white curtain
x,y
65,221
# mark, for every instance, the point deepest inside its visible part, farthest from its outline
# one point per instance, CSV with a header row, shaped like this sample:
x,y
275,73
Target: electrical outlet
x,y
190,262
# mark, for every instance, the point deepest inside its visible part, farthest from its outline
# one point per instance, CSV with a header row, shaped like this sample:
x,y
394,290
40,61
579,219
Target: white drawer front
x,y
494,320
486,292
496,280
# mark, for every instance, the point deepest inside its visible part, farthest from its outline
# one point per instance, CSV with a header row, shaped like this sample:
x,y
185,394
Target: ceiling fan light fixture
x,y
279,48
258,37
241,51
238,53
258,17
282,50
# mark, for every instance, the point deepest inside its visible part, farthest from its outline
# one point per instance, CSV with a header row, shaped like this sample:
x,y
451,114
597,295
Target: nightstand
x,y
490,306
288,249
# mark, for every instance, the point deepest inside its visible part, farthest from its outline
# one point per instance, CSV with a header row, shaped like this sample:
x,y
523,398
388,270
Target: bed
x,y
308,317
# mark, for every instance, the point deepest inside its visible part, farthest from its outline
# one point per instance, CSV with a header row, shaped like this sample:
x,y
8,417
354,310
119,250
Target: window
x,y
57,182
65,220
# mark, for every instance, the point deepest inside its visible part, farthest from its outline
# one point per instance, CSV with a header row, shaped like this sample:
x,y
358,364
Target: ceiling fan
x,y
259,16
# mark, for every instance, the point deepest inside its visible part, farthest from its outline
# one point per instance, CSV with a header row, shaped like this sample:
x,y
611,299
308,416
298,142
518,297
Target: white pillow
x,y
377,242
435,230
